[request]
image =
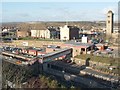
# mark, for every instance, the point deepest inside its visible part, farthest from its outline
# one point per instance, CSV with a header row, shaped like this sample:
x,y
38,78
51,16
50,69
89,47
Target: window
x,y
76,50
82,49
108,21
48,65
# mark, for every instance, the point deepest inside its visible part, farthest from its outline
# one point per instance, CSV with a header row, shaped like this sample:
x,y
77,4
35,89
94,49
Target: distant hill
x,y
43,25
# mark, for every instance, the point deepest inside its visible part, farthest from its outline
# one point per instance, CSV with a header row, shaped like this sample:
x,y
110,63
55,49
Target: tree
x,y
53,84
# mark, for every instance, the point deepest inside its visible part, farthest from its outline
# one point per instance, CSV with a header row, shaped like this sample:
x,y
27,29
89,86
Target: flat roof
x,y
23,56
53,53
79,44
99,44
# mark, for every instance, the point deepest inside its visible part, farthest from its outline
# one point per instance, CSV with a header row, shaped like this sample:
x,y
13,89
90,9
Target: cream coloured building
x,y
40,33
109,24
69,32
64,33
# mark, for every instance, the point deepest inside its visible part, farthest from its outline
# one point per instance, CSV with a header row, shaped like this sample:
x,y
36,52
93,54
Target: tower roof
x,y
110,11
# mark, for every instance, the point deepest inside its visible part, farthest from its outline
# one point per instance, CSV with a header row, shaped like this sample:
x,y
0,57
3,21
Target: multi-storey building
x,y
69,32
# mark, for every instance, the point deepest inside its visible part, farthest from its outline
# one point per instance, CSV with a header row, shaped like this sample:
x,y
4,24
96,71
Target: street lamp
x,y
111,83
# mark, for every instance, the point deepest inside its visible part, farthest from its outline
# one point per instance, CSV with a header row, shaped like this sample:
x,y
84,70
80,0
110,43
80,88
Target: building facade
x,y
22,33
40,33
79,48
69,32
54,32
109,24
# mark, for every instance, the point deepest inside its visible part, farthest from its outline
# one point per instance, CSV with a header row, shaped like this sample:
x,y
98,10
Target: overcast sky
x,y
57,11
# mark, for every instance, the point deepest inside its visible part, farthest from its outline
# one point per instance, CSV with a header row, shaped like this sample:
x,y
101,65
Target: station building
x,y
79,48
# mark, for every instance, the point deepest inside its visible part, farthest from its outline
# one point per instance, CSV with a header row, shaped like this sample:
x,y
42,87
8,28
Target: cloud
x,y
113,8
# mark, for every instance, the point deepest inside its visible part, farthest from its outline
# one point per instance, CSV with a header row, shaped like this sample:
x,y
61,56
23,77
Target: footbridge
x,y
67,52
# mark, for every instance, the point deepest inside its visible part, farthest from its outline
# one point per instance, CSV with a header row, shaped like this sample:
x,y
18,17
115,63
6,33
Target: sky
x,y
56,11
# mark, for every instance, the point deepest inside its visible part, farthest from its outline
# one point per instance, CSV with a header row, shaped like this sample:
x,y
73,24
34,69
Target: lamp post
x,y
111,78
63,72
65,38
111,83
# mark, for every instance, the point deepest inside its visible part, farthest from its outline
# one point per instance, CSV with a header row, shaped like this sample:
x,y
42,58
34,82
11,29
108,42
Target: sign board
x,y
25,43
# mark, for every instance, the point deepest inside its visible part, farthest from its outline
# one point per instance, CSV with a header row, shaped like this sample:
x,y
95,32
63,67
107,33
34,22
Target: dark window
x,y
56,67
48,65
82,49
76,50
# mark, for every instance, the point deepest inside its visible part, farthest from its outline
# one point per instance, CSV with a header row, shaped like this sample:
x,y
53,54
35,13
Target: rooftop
x,y
79,44
58,51
110,11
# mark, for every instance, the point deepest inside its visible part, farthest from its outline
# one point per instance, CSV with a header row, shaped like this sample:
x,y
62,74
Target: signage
x,y
25,43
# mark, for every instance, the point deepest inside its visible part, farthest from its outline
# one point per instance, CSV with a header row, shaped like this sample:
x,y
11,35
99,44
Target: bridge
x,y
26,57
54,55
18,59
67,52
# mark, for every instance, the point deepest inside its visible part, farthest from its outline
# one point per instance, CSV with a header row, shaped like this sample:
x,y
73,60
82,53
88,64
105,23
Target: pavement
x,y
116,51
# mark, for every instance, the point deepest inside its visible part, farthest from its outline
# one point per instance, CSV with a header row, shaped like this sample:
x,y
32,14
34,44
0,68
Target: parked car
x,y
67,61
7,40
110,49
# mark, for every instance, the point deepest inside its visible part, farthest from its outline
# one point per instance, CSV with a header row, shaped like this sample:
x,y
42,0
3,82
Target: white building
x,y
64,33
5,30
84,39
40,33
69,32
